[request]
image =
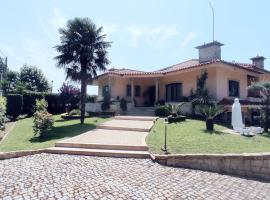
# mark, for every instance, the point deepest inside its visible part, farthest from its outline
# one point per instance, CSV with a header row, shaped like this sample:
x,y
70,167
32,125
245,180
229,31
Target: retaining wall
x,y
253,165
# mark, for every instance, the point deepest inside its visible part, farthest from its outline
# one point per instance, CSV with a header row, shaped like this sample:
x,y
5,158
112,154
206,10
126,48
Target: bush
x,y
123,104
14,105
162,111
3,105
43,120
74,112
91,99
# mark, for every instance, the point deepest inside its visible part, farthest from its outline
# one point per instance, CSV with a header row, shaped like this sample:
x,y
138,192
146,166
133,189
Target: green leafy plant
x,y
210,112
264,89
43,121
175,109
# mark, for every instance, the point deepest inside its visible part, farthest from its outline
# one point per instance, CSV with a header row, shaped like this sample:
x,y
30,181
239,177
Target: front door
x,y
152,95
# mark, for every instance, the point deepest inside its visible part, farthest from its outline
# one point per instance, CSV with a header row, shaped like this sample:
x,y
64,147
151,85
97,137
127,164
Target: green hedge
x,y
56,104
14,105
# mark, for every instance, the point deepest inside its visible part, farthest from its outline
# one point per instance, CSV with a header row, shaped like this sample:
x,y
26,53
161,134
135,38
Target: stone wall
x,y
253,165
16,154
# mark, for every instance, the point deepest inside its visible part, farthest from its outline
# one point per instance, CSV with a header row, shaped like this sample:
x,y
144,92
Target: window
x,y
105,90
128,91
174,92
233,88
137,90
250,80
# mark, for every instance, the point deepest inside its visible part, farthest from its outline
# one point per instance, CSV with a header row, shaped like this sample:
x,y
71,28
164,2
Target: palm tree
x,y
210,112
82,53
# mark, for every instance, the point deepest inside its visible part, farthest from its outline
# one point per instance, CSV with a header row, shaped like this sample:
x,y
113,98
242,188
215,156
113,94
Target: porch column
x,y
109,85
156,97
132,89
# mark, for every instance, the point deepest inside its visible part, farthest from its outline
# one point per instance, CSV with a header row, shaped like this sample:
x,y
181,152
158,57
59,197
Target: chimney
x,y
258,61
210,51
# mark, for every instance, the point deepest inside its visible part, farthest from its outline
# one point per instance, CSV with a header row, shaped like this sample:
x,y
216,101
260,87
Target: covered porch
x,y
141,91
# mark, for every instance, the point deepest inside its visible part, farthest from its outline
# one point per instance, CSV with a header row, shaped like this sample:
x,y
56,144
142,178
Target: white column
x,y
109,85
156,97
132,89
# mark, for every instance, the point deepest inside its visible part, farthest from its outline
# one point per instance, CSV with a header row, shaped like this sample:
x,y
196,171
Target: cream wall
x,y
188,80
218,76
226,73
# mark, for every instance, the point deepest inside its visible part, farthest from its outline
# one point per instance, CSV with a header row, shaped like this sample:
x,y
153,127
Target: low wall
x,y
253,165
16,154
115,107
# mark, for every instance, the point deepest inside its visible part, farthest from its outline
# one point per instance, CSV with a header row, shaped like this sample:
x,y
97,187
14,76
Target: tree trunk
x,y
209,124
83,93
267,114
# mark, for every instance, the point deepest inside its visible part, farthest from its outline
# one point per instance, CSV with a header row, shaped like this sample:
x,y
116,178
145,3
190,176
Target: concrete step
x,y
101,146
99,152
137,118
127,125
123,128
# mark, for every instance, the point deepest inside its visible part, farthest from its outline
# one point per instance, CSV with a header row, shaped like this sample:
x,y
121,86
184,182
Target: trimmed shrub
x,y
123,104
162,111
3,106
14,105
74,112
43,121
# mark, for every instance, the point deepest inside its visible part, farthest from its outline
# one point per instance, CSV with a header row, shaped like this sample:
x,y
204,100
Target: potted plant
x,y
210,112
175,110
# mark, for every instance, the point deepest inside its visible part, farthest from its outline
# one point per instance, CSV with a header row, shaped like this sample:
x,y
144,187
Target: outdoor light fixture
x,y
165,149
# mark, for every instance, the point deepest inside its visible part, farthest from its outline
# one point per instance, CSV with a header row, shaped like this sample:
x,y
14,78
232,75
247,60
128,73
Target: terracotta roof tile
x,y
182,66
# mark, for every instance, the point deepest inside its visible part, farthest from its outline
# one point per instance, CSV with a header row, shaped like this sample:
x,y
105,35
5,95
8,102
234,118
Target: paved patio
x,y
49,176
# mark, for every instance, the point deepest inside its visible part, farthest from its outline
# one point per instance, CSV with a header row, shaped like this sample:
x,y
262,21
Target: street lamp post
x,y
165,149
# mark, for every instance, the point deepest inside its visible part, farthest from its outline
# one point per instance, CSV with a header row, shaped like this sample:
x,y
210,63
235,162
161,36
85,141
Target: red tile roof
x,y
182,66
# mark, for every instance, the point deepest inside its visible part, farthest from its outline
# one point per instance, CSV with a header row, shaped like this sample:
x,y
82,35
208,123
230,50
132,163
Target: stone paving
x,y
50,176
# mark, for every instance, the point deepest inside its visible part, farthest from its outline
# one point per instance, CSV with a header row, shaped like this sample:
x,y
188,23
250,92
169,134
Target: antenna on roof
x,y
213,13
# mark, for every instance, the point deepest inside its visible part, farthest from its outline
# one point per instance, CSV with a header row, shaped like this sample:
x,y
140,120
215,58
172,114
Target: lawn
x,y
22,136
190,137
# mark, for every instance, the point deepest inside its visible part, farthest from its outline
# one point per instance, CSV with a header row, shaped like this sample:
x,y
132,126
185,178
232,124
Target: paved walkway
x,y
123,136
49,176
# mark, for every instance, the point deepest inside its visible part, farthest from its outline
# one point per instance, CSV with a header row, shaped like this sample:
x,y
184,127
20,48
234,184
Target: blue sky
x,y
146,35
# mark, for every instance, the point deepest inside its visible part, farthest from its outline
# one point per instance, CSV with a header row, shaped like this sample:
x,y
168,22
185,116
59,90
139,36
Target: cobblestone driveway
x,y
48,176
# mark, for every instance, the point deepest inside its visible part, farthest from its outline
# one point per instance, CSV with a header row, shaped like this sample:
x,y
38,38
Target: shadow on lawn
x,y
213,132
64,131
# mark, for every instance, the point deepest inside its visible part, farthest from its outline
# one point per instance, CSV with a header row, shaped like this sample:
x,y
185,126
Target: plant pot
x,y
209,124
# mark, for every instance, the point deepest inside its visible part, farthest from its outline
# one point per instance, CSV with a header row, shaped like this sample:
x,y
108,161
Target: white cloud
x,y
10,53
188,39
152,35
53,22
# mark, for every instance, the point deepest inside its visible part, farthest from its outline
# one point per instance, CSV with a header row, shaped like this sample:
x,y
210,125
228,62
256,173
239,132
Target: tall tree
x,y
264,89
82,52
9,84
33,79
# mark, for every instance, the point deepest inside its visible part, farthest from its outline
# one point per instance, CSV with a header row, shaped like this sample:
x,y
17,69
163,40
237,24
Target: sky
x,y
145,34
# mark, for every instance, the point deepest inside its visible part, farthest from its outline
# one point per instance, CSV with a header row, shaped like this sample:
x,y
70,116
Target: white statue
x,y
237,121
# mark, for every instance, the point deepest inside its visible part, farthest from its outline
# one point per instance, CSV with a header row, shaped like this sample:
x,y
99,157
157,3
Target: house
x,y
226,80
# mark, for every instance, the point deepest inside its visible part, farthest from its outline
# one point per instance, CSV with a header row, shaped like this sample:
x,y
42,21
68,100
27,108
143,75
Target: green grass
x,y
190,137
22,136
